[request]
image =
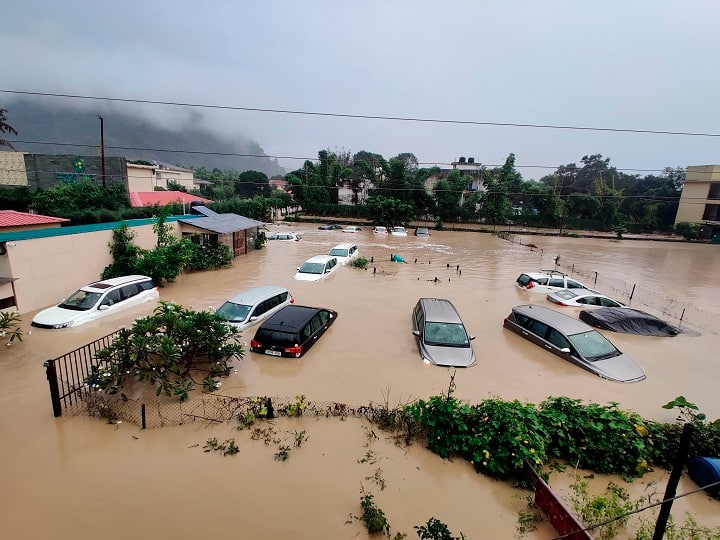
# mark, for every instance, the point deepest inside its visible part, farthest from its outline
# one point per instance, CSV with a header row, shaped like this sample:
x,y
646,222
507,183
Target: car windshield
x,y
312,268
338,252
80,300
233,312
593,346
447,334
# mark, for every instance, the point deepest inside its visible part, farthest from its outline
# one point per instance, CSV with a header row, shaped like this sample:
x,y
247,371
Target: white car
x,y
316,268
292,236
252,306
352,229
398,231
582,298
547,281
97,300
345,253
380,230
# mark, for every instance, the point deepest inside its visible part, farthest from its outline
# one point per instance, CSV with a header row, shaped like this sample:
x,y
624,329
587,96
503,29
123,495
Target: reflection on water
x,y
87,478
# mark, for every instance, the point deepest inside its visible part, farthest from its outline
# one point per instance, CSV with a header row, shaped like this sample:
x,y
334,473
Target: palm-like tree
x,y
5,128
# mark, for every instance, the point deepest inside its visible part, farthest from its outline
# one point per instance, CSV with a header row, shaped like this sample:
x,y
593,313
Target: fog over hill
x,y
46,127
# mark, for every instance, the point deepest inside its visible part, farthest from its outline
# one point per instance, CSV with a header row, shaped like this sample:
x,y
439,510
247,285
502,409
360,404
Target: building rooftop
x,y
162,198
12,218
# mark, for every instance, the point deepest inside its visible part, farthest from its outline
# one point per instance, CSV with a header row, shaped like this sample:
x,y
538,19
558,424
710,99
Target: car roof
x,y
439,310
557,320
344,245
114,282
544,273
257,294
290,318
321,258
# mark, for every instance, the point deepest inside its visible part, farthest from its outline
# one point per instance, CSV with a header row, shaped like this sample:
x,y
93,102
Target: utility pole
x,y
102,149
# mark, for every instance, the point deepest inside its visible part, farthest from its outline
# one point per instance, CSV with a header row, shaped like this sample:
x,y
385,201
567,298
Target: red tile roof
x,y
11,218
161,198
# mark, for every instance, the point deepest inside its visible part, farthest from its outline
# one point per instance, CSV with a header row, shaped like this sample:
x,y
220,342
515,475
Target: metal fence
x,y
67,374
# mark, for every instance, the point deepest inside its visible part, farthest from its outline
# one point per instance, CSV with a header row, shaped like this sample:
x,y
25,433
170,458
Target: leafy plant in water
x,y
283,453
165,350
361,262
612,508
687,410
226,448
373,517
10,325
435,529
297,408
378,479
300,437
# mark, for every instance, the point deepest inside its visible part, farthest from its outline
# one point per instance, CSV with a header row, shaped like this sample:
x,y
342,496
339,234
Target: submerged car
x,y
582,298
291,236
440,334
345,253
253,305
316,268
380,230
398,231
574,341
292,331
352,229
330,227
547,281
97,300
422,231
629,321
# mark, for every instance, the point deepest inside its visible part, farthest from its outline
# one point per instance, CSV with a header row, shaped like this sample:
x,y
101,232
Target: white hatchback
x,y
345,253
97,300
398,231
316,268
547,281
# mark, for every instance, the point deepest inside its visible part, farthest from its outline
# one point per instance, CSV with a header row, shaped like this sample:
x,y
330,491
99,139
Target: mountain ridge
x,y
46,129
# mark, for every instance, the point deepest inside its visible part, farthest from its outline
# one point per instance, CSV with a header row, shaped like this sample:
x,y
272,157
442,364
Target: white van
x,y
252,306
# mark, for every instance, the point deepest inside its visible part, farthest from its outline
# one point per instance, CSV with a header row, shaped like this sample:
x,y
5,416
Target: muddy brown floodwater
x,y
78,477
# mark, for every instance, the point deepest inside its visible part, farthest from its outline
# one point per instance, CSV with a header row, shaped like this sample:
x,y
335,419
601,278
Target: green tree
x,y
166,350
124,252
250,184
387,211
541,199
63,200
6,128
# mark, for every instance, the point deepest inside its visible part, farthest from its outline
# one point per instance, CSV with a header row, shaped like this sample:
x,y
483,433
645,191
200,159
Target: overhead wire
x,y
361,116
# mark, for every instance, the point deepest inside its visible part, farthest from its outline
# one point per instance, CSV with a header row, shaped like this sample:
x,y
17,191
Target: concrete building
x,y
700,199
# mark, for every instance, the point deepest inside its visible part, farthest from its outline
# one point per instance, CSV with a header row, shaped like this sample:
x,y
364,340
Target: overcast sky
x,y
640,65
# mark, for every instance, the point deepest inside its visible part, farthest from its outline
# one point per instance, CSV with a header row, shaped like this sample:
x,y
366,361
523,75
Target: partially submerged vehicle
x,y
629,321
440,334
574,341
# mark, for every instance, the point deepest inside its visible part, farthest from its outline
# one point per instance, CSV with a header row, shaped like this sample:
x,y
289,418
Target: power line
x,y
366,116
300,158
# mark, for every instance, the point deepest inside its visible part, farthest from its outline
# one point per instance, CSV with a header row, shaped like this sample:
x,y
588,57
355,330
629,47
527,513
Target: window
x,y
557,282
538,328
128,291
324,316
712,212
315,323
573,284
714,191
111,298
557,339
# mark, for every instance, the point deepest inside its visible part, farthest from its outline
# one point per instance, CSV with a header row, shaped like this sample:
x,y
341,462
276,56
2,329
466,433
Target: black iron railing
x,y
67,374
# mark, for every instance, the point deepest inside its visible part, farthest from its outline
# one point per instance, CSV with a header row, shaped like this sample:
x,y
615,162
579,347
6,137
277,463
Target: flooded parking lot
x,y
78,477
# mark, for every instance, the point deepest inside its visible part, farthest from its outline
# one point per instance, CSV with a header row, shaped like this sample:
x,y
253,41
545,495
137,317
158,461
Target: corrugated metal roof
x,y
12,218
203,210
223,223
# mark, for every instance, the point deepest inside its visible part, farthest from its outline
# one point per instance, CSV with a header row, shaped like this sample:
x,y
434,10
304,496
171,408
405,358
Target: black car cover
x,y
629,321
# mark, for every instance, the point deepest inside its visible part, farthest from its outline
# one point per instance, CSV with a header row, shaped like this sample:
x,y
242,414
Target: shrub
x,y
689,231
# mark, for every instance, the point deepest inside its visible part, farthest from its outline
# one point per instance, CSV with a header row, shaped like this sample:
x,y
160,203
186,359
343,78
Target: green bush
x,y
208,256
689,231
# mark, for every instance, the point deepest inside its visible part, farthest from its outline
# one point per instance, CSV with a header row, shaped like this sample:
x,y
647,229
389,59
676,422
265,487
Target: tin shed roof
x,y
223,223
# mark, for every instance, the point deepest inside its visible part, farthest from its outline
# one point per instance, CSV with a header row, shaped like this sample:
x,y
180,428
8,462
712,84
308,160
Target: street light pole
x,y
102,149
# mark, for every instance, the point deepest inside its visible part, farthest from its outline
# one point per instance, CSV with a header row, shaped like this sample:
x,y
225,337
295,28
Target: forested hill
x,y
138,138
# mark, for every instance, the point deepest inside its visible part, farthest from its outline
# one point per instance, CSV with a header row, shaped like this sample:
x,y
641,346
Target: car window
x,y
574,284
557,282
557,339
80,300
324,316
606,302
522,320
128,291
593,345
272,337
233,312
537,328
315,323
307,331
112,298
146,285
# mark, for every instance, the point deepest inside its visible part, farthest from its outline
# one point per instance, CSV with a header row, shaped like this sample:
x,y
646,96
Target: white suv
x,y
547,281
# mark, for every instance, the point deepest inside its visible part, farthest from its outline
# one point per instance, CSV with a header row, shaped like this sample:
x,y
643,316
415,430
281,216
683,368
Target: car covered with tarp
x,y
629,321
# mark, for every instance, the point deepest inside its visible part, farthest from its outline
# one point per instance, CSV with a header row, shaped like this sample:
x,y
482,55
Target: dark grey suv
x,y
573,340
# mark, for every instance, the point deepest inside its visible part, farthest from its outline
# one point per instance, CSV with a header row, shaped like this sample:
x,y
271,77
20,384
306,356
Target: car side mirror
x,y
565,350
472,337
103,307
253,318
416,333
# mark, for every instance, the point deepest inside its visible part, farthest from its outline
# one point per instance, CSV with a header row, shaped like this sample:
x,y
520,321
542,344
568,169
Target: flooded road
x,y
77,477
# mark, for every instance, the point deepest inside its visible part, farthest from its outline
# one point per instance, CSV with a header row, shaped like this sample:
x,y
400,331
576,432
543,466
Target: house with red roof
x,y
11,221
162,198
